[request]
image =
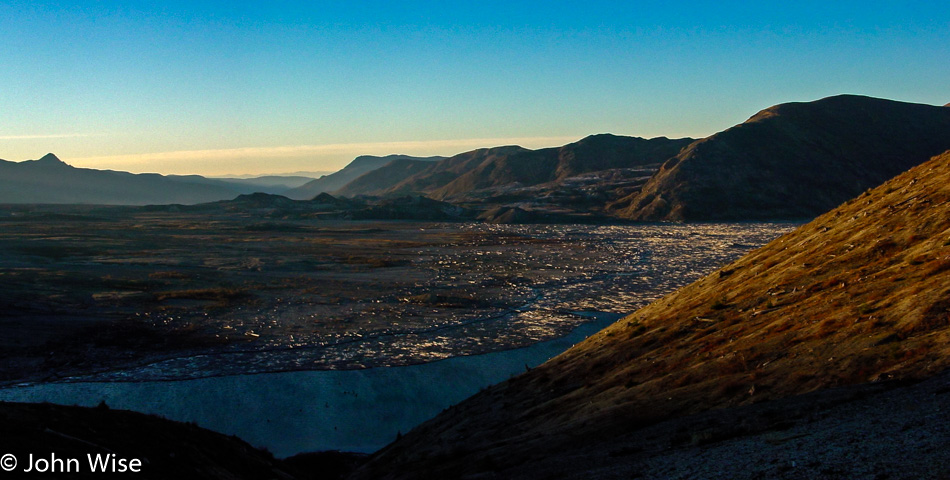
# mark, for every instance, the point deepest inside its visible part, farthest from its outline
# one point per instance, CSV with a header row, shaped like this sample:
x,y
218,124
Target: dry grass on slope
x,y
860,294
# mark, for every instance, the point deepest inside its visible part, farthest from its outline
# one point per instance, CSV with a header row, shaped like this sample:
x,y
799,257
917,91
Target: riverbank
x,y
294,412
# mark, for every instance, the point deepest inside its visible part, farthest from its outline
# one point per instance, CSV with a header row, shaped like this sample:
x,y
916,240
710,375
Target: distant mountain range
x,y
275,184
790,161
50,180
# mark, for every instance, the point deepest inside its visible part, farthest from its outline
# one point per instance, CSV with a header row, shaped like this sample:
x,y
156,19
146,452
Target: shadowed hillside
x,y
794,160
590,154
382,178
858,295
438,173
481,169
337,180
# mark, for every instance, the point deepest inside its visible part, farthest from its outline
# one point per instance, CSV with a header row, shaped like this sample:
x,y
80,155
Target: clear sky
x,y
263,87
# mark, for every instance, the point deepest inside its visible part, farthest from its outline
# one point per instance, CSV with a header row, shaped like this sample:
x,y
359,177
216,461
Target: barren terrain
x,y
89,290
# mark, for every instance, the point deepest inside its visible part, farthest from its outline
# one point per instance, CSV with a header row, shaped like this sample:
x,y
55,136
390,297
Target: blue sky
x,y
234,87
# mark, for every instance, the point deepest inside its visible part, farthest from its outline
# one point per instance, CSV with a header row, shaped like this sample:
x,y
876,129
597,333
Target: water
x,y
357,392
293,412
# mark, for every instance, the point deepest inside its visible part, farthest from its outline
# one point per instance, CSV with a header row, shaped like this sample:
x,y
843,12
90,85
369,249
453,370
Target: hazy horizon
x,y
201,88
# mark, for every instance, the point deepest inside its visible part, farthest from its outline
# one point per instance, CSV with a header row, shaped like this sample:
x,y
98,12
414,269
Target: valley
x,y
420,281
120,293
475,241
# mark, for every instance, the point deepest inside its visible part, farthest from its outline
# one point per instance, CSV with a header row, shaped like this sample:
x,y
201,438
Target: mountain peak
x,y
833,149
50,159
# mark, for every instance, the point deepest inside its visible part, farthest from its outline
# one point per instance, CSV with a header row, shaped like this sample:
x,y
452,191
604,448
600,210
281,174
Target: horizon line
x,y
333,153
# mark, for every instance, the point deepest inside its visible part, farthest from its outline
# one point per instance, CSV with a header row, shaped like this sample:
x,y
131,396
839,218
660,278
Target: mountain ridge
x,y
791,161
51,180
49,159
358,166
384,176
466,174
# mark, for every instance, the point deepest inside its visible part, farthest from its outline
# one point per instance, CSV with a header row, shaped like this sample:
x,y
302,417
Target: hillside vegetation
x,y
861,294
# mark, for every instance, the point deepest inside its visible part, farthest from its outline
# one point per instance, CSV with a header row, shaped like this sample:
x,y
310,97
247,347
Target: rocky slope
x,y
794,160
464,174
439,173
858,295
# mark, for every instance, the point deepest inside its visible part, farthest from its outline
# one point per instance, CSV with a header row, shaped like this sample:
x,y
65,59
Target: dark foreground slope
x,y
166,449
858,295
795,160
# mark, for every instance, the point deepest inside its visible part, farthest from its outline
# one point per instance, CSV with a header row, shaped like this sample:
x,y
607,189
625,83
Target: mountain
x,y
360,165
792,161
445,171
382,178
594,153
469,173
50,180
861,294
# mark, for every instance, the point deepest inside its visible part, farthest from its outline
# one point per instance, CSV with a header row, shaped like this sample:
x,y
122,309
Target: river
x,y
294,412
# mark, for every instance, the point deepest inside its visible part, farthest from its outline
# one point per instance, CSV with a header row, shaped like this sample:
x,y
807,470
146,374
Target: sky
x,y
271,87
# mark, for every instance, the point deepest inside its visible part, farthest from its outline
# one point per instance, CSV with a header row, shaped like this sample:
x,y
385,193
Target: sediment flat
x,y
106,293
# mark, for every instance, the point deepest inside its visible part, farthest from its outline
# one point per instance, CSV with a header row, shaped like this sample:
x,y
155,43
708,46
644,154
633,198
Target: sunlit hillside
x,y
858,295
